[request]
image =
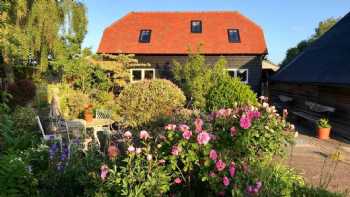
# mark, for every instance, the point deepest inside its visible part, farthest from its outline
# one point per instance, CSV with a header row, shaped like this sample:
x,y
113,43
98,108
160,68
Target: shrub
x,y
72,101
24,118
195,78
229,92
147,100
16,178
22,91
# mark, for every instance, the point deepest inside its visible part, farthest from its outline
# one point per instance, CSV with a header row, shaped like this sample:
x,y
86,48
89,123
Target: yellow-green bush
x,y
144,101
72,101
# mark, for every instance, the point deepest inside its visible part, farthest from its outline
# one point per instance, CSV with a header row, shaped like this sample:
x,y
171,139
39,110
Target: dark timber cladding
x,y
321,74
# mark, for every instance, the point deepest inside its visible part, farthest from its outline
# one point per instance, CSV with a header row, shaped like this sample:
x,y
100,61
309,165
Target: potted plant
x,y
323,129
88,113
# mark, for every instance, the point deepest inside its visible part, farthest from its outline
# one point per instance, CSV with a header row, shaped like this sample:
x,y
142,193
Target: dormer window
x,y
233,35
196,26
145,36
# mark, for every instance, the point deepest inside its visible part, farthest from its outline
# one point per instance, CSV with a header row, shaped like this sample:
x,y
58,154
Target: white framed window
x,y
137,74
239,73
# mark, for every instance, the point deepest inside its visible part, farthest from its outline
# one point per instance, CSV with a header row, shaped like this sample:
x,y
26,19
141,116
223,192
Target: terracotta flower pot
x,y
88,116
323,133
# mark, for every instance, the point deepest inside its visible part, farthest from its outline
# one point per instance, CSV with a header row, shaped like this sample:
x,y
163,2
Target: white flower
x,y
296,134
138,150
265,105
149,157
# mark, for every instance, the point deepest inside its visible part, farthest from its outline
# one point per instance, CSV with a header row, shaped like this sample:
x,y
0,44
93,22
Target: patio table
x,y
99,125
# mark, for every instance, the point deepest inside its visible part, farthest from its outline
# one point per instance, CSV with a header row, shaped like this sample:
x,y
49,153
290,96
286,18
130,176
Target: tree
x,y
32,36
322,28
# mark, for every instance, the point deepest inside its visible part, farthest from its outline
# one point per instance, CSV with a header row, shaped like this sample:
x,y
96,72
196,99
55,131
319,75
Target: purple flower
x,y
60,166
104,171
245,122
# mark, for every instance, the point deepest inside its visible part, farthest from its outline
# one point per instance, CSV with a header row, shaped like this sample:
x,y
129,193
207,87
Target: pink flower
x,y
212,174
203,138
220,165
178,180
233,131
128,134
187,134
131,149
225,181
170,127
138,150
232,169
213,155
257,114
104,171
175,150
144,135
198,124
183,127
162,161
149,157
245,122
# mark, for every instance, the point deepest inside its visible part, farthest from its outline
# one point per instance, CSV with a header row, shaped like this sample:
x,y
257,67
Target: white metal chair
x,y
48,137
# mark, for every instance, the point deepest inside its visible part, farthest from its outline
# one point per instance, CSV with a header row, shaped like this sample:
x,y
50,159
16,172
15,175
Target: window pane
x,y
233,35
196,26
145,35
232,73
243,75
136,75
149,74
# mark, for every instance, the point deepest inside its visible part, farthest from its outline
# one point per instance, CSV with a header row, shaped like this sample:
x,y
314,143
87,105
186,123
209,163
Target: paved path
x,y
309,154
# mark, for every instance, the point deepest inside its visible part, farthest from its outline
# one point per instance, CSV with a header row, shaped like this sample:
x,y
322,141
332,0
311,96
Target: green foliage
x,y
228,93
72,102
144,101
323,123
311,191
24,119
15,177
322,28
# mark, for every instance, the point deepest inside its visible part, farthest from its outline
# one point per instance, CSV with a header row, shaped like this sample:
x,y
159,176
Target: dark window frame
x,y
149,39
201,26
238,36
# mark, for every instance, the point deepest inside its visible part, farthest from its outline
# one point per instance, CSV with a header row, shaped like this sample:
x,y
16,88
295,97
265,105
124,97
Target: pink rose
x,y
131,149
175,150
245,122
183,127
225,181
220,165
203,138
104,171
233,131
128,134
170,127
187,134
178,180
144,135
198,124
213,155
232,169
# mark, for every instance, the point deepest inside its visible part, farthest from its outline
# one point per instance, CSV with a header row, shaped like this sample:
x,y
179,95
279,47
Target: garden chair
x,y
102,114
49,137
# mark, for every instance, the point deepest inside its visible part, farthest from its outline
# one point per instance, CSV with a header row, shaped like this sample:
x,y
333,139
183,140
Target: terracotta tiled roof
x,y
171,34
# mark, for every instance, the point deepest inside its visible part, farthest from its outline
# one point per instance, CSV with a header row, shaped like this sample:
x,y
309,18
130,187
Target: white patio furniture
x,y
49,137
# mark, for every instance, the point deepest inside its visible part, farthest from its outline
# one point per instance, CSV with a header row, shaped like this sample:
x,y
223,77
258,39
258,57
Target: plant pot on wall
x,y
88,114
323,133
323,129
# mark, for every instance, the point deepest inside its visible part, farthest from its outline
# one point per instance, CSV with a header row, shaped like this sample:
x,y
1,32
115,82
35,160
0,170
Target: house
x,y
317,82
159,38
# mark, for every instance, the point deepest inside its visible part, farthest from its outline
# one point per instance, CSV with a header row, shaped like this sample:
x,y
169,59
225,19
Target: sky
x,y
284,22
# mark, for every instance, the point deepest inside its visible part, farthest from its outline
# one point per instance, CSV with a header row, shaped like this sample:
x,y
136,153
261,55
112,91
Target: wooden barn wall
x,y
337,97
